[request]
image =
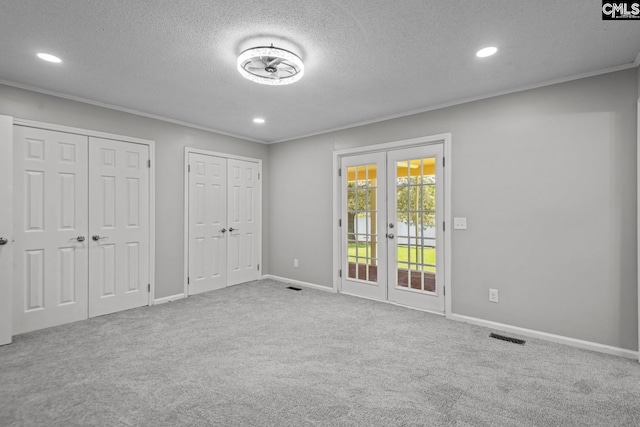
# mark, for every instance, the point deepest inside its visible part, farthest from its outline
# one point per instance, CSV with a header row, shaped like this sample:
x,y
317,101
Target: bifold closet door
x,y
207,223
50,229
119,226
224,226
81,209
244,230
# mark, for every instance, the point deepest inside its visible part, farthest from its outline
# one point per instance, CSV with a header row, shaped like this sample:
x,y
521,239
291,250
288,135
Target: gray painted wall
x,y
534,172
170,142
547,181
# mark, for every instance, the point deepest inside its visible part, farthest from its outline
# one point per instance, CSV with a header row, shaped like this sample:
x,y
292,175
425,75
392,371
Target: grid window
x,y
362,213
416,218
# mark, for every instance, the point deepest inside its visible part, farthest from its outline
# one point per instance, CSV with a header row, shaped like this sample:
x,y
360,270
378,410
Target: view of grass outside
x,y
428,255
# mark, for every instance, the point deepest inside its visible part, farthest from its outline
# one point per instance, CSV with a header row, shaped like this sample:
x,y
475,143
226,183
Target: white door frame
x,y
152,180
445,139
6,228
638,214
187,151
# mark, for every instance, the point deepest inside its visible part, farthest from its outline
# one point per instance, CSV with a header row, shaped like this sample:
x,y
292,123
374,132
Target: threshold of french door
x,y
439,313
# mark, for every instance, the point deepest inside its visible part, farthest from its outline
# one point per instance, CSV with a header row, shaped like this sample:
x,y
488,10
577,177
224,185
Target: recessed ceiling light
x,y
487,51
49,58
258,120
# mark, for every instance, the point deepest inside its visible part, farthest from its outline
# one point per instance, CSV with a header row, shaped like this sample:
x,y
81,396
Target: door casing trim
x,y
6,229
445,139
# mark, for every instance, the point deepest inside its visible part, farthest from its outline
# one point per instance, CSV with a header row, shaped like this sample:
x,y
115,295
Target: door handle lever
x,y
233,229
96,237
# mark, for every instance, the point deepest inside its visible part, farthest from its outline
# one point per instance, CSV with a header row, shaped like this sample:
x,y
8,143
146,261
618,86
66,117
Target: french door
x,y
82,236
392,226
224,226
364,213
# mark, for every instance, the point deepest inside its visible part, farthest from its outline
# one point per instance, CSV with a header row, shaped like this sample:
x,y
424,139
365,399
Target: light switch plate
x,y
460,223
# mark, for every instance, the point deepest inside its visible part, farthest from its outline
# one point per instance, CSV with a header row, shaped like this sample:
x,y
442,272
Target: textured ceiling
x,y
365,60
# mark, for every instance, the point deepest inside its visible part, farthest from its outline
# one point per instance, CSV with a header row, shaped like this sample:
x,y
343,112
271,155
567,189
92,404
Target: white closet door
x,y
118,225
207,223
243,220
50,226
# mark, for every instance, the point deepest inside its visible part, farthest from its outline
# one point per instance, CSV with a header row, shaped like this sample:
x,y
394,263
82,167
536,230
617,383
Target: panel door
x,y
364,268
414,227
244,227
207,223
50,223
118,225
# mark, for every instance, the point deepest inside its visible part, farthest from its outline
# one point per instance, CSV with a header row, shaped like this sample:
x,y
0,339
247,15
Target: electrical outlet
x,y
295,262
459,223
493,295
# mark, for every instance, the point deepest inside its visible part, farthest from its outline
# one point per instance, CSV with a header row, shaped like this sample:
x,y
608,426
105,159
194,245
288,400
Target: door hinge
x,y
339,223
148,287
340,172
340,273
444,228
188,280
444,291
149,163
258,267
189,168
258,176
443,162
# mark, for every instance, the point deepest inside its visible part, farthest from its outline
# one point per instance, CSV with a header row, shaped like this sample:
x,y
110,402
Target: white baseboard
x,y
587,345
573,342
168,299
299,283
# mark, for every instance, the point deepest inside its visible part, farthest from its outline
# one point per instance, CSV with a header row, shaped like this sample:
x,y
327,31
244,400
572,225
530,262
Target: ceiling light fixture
x,y
487,51
270,65
258,120
49,58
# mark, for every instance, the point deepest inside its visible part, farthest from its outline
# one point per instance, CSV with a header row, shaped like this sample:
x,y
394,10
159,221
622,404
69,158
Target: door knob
x,y
390,235
224,230
3,241
96,237
80,238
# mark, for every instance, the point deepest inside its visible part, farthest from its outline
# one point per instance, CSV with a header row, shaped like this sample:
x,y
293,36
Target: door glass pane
x,y
362,214
416,220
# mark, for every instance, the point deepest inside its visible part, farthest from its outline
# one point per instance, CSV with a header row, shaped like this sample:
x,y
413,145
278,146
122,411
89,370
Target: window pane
x,y
416,221
361,220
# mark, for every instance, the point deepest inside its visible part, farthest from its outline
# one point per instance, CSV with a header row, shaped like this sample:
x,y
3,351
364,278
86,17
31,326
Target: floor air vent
x,y
508,339
293,288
